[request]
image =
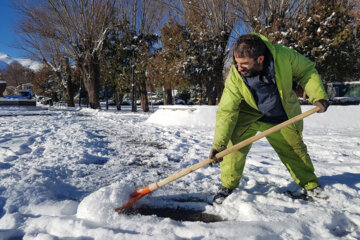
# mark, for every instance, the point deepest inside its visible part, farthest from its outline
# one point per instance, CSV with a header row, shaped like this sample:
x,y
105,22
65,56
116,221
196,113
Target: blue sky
x,y
8,18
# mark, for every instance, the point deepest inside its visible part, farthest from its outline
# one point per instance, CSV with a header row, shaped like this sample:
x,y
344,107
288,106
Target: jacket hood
x,y
266,41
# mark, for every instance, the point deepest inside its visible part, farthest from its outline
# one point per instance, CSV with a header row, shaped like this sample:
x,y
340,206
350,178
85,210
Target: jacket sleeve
x,y
305,73
227,113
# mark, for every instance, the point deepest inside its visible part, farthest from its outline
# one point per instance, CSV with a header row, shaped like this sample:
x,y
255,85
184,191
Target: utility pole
x,y
80,92
133,104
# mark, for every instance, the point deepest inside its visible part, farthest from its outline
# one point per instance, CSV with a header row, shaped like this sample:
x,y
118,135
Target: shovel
x,y
138,194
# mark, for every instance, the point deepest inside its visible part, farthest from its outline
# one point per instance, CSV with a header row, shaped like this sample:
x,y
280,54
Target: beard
x,y
251,72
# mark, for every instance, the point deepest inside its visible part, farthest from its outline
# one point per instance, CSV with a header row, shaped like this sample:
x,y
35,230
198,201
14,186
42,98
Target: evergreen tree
x,y
327,32
209,24
329,35
167,67
45,83
142,53
116,66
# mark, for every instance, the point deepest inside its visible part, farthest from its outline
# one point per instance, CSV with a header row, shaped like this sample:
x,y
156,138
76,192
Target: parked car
x,y
23,94
47,101
111,102
126,102
27,94
193,101
179,101
39,98
159,102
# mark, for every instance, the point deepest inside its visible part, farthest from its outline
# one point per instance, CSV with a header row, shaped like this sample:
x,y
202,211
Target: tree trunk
x,y
219,68
211,93
106,96
69,85
118,100
220,83
143,97
219,91
167,94
92,82
64,88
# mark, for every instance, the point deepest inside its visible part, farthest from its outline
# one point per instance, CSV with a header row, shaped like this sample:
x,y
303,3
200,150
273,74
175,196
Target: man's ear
x,y
260,59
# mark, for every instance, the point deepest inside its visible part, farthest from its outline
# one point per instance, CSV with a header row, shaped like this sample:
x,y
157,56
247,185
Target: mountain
x,y
6,60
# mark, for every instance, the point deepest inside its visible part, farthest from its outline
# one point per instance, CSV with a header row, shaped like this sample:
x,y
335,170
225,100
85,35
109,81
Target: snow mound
x,y
99,206
205,117
53,208
335,118
184,116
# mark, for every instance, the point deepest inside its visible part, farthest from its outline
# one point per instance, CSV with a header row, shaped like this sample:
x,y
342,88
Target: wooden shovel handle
x,y
236,147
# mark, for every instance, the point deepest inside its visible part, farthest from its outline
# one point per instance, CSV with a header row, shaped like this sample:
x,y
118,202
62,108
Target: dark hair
x,y
249,45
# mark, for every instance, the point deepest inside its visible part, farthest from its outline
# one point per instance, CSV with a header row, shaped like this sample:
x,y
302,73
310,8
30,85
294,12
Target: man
x,y
258,95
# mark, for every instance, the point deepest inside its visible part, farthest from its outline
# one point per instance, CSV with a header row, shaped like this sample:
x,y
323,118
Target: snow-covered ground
x,y
62,173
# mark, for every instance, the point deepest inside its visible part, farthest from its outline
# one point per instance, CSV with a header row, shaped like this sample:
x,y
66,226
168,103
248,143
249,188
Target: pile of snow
x,y
99,206
183,116
205,117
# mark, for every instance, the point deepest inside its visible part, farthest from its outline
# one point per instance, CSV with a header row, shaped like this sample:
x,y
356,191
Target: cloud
x,y
6,60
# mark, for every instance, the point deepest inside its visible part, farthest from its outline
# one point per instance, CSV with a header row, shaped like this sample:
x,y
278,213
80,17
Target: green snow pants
x,y
287,143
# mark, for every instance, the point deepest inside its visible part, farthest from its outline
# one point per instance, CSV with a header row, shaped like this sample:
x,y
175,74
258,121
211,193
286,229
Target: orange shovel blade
x,y
137,195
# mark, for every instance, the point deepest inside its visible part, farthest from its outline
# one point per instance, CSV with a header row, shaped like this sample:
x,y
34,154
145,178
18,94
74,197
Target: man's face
x,y
249,67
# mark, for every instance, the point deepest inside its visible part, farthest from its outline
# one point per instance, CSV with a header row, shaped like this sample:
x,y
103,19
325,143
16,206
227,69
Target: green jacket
x,y
237,108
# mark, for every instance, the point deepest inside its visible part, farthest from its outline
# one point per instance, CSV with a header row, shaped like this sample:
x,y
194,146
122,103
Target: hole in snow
x,y
177,214
151,144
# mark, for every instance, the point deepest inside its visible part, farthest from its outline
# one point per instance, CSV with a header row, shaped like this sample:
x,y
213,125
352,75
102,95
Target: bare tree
x,y
70,29
35,32
144,16
269,15
78,27
210,23
16,74
81,27
45,83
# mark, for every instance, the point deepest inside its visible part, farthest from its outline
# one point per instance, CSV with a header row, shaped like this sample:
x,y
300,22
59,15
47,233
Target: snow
x,y
183,116
65,170
27,63
116,194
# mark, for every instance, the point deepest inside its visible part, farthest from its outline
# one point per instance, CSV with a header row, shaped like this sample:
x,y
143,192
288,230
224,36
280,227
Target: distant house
x,y
27,86
343,89
10,90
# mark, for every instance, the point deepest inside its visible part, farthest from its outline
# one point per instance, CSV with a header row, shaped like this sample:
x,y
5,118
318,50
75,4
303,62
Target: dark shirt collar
x,y
268,72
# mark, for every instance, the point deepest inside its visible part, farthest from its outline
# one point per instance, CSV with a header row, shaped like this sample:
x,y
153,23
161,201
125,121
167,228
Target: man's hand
x,y
212,156
323,104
